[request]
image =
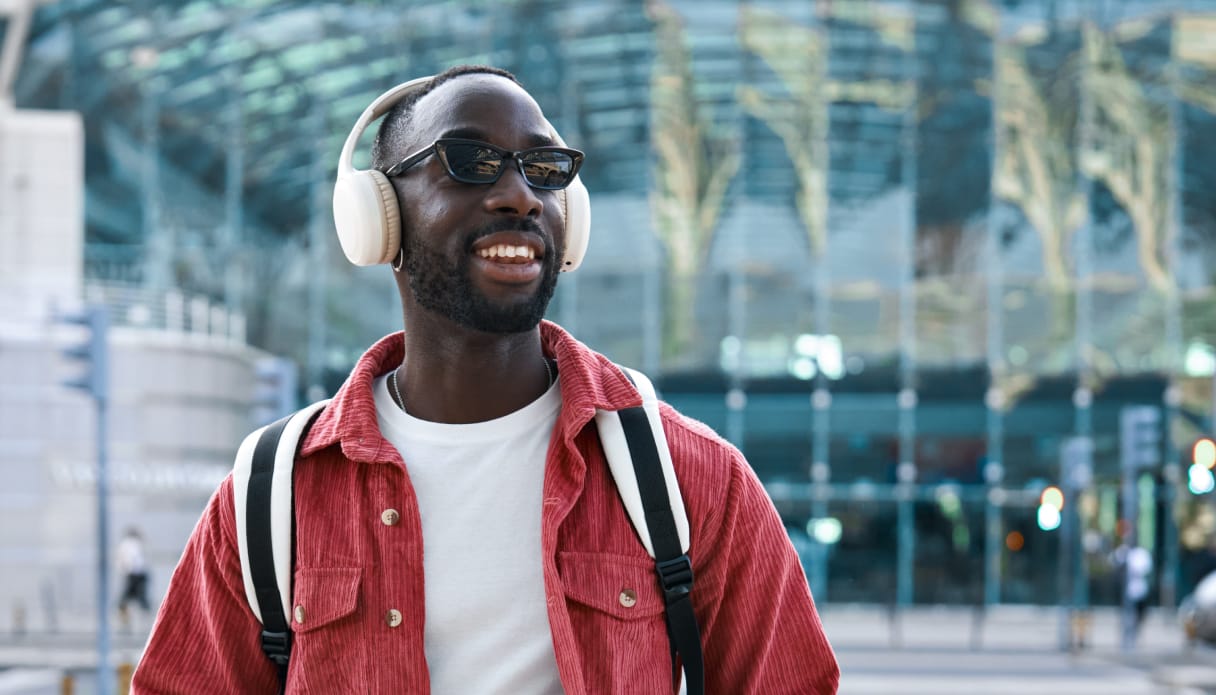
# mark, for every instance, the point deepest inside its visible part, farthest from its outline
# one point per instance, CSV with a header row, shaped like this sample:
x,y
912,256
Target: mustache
x,y
526,224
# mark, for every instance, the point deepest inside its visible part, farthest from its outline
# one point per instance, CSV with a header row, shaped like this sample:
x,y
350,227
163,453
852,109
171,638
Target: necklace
x,y
392,381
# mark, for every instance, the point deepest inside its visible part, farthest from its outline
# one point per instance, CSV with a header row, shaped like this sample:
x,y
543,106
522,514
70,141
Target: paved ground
x,y
1008,651
938,651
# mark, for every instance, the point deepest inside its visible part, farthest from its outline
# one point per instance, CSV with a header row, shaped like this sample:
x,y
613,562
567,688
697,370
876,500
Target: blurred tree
x,y
1036,168
798,56
1131,150
694,165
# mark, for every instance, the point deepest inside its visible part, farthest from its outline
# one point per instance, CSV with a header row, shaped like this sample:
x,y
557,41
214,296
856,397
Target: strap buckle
x,y
675,576
277,646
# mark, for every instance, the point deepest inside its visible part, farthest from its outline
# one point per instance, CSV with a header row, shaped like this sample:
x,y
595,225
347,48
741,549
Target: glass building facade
x,y
918,259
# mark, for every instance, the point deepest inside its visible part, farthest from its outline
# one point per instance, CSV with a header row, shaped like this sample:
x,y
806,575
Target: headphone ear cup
x,y
577,205
366,217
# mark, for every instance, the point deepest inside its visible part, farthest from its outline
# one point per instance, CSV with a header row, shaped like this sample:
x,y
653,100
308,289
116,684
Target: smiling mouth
x,y
507,253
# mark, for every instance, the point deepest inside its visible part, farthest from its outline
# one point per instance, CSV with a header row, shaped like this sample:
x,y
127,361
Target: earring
x,y
399,261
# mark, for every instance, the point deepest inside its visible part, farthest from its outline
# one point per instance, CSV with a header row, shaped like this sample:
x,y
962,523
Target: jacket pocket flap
x,y
323,595
622,586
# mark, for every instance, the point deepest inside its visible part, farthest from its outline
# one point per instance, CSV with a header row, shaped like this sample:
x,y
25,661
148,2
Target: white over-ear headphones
x,y
365,206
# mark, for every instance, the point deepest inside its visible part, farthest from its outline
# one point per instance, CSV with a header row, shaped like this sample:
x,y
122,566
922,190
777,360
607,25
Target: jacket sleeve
x,y
206,639
760,630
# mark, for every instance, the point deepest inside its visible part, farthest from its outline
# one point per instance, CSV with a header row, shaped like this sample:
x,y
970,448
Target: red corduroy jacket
x,y
759,628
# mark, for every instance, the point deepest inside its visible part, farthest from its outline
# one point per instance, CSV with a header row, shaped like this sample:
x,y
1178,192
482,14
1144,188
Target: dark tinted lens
x,y
472,163
548,168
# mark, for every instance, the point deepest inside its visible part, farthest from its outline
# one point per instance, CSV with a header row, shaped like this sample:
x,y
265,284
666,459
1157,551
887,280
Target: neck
x,y
462,376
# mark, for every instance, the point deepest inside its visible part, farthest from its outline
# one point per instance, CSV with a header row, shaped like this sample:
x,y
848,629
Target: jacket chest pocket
x,y
617,612
329,654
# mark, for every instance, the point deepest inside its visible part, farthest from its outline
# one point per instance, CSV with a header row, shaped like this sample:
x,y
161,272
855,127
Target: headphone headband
x,y
382,105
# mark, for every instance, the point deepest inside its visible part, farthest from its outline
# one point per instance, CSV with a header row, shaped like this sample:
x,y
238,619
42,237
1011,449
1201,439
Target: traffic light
x,y
93,353
1204,452
1199,476
1051,502
1140,436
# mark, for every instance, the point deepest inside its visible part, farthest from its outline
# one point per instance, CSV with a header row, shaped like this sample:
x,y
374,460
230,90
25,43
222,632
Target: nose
x,y
512,195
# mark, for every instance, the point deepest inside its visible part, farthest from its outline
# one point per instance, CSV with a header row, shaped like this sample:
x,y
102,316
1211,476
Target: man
x,y
134,571
457,528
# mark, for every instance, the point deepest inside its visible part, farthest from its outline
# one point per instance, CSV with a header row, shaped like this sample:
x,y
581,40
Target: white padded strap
x,y
620,463
280,504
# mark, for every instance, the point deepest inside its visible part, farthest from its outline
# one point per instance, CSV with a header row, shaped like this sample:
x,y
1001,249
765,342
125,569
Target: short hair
x,y
391,135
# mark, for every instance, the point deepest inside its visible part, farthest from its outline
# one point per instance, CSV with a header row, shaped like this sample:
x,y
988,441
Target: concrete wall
x,y
180,406
182,382
41,209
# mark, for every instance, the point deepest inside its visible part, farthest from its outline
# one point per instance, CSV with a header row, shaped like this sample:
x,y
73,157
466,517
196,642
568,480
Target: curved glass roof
x,y
276,85
215,115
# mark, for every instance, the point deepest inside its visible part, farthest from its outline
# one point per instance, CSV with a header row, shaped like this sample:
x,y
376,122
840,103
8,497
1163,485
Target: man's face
x,y
485,256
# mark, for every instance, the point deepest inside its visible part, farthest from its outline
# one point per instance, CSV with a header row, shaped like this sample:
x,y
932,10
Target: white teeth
x,y
505,251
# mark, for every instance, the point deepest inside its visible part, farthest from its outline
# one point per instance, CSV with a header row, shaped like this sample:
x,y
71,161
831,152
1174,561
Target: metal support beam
x,y
318,226
821,395
1071,561
158,242
907,399
994,470
234,185
1172,470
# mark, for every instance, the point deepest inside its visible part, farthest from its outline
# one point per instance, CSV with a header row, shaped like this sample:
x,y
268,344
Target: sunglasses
x,y
474,161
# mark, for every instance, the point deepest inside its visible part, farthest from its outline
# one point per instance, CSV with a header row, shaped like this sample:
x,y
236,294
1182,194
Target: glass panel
x,y
1029,558
862,564
950,547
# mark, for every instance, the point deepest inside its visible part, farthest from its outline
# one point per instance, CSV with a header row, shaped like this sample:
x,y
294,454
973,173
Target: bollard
x,y
67,685
18,619
978,614
1081,622
895,633
124,672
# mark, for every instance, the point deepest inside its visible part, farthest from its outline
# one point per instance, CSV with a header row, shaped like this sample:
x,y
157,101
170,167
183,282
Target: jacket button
x,y
390,517
628,598
393,617
299,614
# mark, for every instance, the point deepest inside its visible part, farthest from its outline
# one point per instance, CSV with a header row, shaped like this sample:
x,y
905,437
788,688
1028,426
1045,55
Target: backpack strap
x,y
640,461
262,496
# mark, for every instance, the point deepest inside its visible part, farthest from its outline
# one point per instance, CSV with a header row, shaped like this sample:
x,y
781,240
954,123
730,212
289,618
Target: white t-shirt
x,y
479,490
1139,567
131,556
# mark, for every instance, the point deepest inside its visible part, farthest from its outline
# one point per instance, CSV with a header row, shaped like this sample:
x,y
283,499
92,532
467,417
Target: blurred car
x,y
1198,611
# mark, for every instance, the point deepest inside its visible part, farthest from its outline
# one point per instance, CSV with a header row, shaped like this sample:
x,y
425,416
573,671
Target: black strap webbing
x,y
672,565
276,634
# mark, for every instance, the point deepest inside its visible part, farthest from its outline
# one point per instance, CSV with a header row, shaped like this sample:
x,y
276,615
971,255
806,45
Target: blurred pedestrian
x,y
1139,570
134,569
1135,566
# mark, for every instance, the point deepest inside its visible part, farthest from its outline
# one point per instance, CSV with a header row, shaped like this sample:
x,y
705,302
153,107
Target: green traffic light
x,y
1048,517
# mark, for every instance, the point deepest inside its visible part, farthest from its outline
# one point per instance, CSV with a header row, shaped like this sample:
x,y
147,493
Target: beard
x,y
445,285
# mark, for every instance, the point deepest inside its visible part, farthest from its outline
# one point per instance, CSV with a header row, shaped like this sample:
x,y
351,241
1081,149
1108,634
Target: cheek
x,y
426,216
555,221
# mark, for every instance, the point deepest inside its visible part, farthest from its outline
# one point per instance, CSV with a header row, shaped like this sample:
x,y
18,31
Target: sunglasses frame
x,y
438,148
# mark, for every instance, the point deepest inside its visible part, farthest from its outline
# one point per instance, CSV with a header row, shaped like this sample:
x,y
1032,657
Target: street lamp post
x,y
95,382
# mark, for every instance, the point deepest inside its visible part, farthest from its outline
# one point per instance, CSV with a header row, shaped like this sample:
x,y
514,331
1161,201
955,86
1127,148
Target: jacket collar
x,y
589,382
